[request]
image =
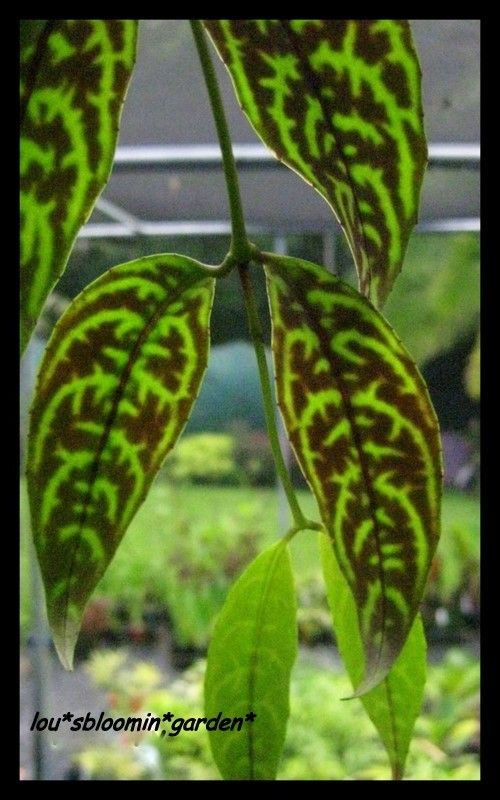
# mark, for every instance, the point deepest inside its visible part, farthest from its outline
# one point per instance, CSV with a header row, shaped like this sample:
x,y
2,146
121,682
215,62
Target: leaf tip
x,y
65,638
66,652
369,682
66,658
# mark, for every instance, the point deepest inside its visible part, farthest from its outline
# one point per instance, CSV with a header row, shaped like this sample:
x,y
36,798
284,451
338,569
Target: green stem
x,y
240,246
308,525
240,254
258,343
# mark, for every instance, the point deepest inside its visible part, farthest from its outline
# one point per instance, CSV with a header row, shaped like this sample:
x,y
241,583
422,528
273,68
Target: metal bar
x,y
101,230
98,230
457,225
455,155
118,214
255,156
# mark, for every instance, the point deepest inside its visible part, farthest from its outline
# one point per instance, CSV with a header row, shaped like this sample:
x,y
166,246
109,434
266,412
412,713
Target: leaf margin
x,y
65,638
101,175
375,280
278,553
283,265
348,639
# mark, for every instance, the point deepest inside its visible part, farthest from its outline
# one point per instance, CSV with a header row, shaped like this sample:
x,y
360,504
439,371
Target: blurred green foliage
x,y
456,565
200,567
327,739
241,457
188,544
473,371
203,458
435,300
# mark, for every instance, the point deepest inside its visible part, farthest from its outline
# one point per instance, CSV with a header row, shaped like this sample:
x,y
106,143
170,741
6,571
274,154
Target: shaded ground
x,y
74,692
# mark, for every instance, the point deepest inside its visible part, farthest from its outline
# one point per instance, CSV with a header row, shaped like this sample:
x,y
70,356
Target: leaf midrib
x,y
108,426
312,81
256,646
392,720
296,290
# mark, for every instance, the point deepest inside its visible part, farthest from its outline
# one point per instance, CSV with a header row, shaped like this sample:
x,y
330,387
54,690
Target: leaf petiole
x,y
308,525
258,343
240,247
240,254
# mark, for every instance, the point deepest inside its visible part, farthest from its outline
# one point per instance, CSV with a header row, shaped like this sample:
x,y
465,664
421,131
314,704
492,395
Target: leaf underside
x,y
118,380
253,649
339,101
395,704
366,436
74,76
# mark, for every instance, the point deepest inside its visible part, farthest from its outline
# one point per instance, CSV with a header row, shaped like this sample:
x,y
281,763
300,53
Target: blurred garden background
x,y
216,504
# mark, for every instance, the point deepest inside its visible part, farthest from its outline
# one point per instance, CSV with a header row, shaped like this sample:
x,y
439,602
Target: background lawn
x,y
188,544
175,565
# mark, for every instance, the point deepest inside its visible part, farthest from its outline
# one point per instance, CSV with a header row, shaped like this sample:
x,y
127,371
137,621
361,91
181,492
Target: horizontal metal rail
x,y
256,156
120,230
248,157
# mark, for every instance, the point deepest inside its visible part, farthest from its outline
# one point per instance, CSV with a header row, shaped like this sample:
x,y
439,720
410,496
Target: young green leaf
x,y
339,102
395,704
74,76
119,378
366,436
253,648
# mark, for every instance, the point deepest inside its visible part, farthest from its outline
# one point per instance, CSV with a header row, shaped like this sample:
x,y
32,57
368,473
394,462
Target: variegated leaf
x,y
339,102
366,436
74,76
117,383
395,704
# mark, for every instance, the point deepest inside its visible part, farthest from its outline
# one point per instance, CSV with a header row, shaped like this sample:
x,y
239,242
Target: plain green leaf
x,y
250,658
395,704
117,383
